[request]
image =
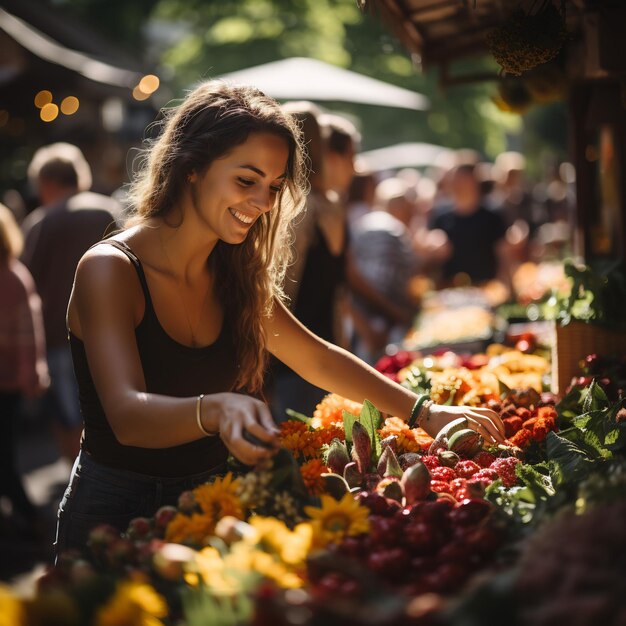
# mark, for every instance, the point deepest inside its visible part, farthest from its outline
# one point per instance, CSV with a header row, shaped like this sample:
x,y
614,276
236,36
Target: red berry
x,y
483,459
431,461
439,486
506,470
465,469
488,473
463,494
470,512
446,474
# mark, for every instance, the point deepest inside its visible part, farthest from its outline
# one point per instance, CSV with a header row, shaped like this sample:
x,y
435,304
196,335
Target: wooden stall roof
x,y
439,31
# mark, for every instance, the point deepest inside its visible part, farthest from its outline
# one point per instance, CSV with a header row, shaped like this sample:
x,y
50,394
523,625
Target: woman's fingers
x,y
493,416
486,424
265,417
479,428
246,452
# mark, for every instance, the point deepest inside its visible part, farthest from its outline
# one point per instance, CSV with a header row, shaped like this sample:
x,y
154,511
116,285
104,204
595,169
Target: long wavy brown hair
x,y
206,125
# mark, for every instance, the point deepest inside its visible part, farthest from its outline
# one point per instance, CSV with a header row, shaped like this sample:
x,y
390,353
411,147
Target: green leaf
x,y
571,461
503,389
539,483
348,421
593,398
370,419
299,416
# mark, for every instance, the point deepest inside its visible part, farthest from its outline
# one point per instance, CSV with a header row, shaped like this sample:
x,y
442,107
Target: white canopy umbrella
x,y
299,78
404,155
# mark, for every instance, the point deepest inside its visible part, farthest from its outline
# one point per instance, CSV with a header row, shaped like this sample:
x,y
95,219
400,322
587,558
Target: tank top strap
x,y
122,246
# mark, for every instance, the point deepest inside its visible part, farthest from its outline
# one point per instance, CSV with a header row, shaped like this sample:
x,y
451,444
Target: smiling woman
x,y
171,320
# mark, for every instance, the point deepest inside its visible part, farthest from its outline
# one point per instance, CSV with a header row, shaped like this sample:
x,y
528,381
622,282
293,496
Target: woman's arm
x,y
105,306
335,369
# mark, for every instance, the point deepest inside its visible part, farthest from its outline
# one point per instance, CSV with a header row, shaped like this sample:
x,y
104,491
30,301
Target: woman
x,y
23,368
172,319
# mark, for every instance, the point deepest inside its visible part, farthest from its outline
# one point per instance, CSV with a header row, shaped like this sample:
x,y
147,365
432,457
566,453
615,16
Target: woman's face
x,y
241,186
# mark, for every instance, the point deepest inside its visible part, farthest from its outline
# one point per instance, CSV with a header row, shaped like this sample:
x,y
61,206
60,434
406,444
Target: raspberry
x,y
459,488
439,486
483,459
482,479
506,470
487,472
462,494
431,461
465,469
443,473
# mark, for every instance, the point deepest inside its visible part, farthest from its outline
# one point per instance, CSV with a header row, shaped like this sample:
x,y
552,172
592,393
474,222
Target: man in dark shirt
x,y
57,234
475,233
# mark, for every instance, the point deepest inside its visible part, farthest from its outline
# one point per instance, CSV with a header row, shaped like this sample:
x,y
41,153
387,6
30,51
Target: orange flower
x,y
330,410
305,443
326,435
312,475
521,438
292,427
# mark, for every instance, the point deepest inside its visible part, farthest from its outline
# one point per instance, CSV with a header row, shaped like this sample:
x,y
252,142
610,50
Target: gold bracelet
x,y
199,417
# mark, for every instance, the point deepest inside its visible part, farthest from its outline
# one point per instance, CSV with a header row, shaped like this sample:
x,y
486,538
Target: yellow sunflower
x,y
134,603
190,529
219,498
292,546
11,608
337,519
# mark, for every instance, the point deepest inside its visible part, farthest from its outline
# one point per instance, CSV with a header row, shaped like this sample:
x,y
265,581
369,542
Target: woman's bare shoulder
x,y
106,266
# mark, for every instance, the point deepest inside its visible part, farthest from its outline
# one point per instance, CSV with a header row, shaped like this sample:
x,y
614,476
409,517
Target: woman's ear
x,y
192,177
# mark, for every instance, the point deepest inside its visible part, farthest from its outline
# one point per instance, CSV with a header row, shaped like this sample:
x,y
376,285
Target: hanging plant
x,y
513,96
528,39
547,83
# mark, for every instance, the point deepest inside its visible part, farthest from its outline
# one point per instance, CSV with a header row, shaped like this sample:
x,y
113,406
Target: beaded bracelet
x,y
199,417
417,409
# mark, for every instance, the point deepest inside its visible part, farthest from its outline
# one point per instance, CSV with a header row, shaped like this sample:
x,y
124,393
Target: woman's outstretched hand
x,y
238,417
484,421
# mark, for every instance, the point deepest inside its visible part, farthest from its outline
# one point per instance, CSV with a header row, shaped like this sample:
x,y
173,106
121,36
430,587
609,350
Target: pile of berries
x,y
432,546
469,479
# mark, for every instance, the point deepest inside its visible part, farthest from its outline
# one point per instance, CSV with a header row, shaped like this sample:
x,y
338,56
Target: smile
x,y
241,217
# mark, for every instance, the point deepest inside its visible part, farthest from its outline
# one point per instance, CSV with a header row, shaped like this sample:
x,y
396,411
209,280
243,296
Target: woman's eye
x,y
276,189
245,181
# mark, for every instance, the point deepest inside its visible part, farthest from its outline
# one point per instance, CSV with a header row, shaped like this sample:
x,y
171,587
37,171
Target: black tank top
x,y
171,369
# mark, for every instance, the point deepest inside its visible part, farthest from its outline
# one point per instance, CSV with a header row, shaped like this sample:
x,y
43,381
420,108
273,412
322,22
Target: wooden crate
x,y
573,343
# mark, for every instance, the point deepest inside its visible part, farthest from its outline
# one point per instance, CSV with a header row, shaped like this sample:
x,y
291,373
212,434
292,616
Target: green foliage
x,y
598,294
229,35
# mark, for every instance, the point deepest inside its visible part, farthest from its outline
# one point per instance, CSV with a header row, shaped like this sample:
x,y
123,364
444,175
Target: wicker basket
x,y
573,343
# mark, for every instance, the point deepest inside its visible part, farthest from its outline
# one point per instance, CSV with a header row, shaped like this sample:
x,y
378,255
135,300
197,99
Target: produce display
x,y
361,520
450,317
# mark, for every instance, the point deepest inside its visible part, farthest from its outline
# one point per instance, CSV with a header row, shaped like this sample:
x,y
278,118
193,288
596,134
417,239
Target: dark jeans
x,y
98,494
10,481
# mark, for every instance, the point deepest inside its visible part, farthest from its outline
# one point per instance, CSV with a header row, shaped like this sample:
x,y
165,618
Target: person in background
x,y
317,274
69,221
476,234
23,369
361,196
382,253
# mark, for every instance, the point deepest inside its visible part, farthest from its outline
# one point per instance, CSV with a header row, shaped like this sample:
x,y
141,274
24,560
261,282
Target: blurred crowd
x,y
368,248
